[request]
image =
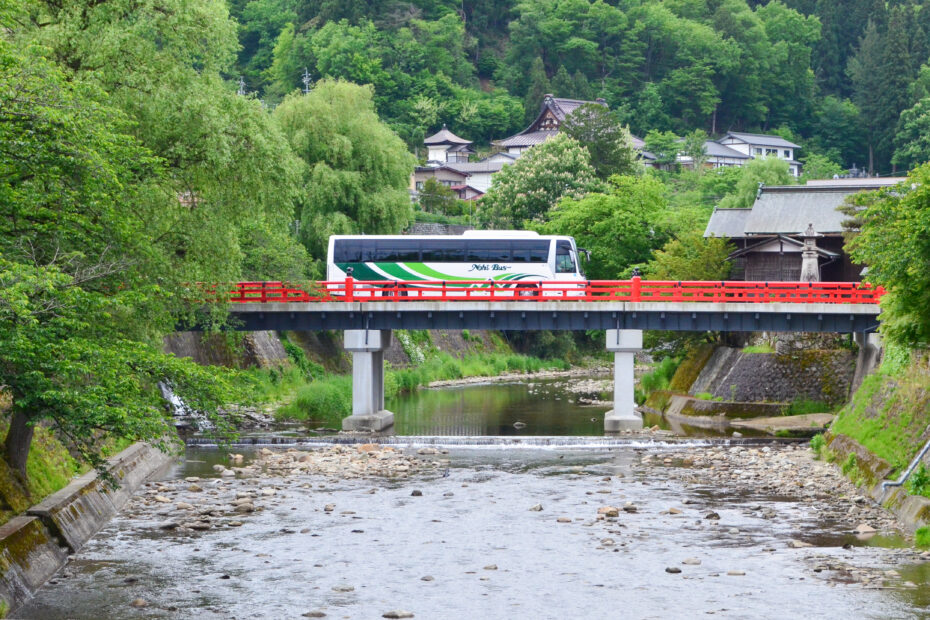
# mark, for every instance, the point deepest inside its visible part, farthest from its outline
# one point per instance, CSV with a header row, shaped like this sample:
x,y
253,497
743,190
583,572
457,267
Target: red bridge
x,y
634,290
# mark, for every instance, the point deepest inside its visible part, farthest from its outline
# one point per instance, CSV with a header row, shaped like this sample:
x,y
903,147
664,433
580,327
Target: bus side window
x,y
564,263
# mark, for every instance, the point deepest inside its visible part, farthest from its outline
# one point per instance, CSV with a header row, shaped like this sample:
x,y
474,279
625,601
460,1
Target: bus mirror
x,y
587,254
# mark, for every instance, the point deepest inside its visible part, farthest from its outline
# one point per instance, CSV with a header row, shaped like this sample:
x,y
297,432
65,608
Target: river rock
x,y
427,451
184,506
673,570
195,488
397,613
862,528
416,493
161,499
427,578
140,602
314,614
691,562
219,468
343,588
798,544
329,507
563,520
736,573
245,508
609,511
713,516
536,508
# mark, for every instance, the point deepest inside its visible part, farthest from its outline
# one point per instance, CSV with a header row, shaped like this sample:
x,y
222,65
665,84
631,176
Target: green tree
x,y
817,166
664,145
609,143
894,241
694,147
621,228
912,141
525,191
866,74
691,256
358,169
539,87
86,289
765,171
437,198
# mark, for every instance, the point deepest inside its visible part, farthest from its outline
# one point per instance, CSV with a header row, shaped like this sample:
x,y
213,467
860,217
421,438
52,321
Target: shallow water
x,y
269,568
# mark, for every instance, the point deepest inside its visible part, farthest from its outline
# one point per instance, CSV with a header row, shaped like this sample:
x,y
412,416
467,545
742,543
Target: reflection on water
x,y
546,407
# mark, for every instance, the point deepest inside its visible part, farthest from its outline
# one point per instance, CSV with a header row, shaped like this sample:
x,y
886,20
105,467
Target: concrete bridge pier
x,y
623,417
367,347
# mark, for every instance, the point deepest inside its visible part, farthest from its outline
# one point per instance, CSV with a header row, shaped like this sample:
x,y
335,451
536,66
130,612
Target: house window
x,y
757,150
771,152
419,186
787,154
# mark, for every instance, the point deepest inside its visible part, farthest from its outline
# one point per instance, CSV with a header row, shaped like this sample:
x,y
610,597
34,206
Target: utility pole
x,y
306,79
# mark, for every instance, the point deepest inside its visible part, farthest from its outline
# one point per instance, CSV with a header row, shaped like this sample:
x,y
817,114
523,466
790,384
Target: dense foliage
x,y
893,239
838,75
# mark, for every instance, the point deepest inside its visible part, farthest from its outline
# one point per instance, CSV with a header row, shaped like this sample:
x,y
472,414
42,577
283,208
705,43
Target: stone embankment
x,y
34,546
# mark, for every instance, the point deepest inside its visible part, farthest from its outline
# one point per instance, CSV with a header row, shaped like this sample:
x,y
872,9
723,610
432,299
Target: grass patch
x,y
888,413
659,378
759,348
922,537
704,396
803,406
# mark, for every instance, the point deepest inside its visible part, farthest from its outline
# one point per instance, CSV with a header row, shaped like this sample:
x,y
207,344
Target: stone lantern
x,y
810,265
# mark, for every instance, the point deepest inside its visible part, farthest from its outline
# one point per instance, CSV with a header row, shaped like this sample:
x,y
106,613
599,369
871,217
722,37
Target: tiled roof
x,y
715,149
478,166
527,139
727,223
789,210
761,139
444,136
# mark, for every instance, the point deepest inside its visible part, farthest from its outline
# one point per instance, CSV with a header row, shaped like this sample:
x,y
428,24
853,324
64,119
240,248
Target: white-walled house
x,y
446,147
762,145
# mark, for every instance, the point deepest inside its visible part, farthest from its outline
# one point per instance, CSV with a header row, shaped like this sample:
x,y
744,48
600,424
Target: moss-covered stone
x,y
690,368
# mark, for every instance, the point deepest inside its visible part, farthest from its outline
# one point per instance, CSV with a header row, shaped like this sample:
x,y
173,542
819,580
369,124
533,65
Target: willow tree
x,y
358,170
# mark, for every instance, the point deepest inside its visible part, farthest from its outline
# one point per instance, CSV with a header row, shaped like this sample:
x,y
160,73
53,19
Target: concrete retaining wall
x,y
33,547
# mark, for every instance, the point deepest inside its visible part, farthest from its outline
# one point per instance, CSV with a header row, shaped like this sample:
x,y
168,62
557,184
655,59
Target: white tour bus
x,y
516,261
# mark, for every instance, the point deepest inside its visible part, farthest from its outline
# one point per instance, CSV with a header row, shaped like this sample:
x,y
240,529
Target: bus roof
x,y
469,234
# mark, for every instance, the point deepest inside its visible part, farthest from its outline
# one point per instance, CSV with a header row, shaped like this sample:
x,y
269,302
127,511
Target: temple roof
x,y
444,136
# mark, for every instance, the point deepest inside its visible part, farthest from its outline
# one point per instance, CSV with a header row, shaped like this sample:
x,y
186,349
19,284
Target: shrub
x,y
803,406
919,482
922,537
818,443
849,465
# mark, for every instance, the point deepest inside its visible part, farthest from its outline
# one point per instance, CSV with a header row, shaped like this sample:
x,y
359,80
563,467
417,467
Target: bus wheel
x,y
528,290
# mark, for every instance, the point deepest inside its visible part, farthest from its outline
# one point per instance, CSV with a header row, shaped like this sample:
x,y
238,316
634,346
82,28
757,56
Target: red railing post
x,y
350,292
635,292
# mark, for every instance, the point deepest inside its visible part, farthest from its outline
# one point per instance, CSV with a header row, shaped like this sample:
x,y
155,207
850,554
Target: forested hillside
x,y
834,75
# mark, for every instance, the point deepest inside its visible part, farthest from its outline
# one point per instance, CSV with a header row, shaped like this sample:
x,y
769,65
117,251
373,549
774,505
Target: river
x,y
496,527
471,545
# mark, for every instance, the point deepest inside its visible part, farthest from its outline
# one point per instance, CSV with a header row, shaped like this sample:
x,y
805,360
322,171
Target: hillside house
x,y
762,145
768,236
446,147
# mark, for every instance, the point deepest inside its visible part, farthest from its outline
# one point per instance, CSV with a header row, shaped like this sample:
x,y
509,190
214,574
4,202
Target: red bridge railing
x,y
635,290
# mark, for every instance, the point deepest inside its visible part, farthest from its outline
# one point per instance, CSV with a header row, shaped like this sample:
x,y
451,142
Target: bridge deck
x,y
557,315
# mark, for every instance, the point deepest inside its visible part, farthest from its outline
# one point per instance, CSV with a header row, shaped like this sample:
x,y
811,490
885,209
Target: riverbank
x,y
364,531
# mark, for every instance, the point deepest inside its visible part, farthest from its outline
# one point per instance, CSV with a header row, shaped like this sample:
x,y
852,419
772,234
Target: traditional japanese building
x,y
769,236
552,113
